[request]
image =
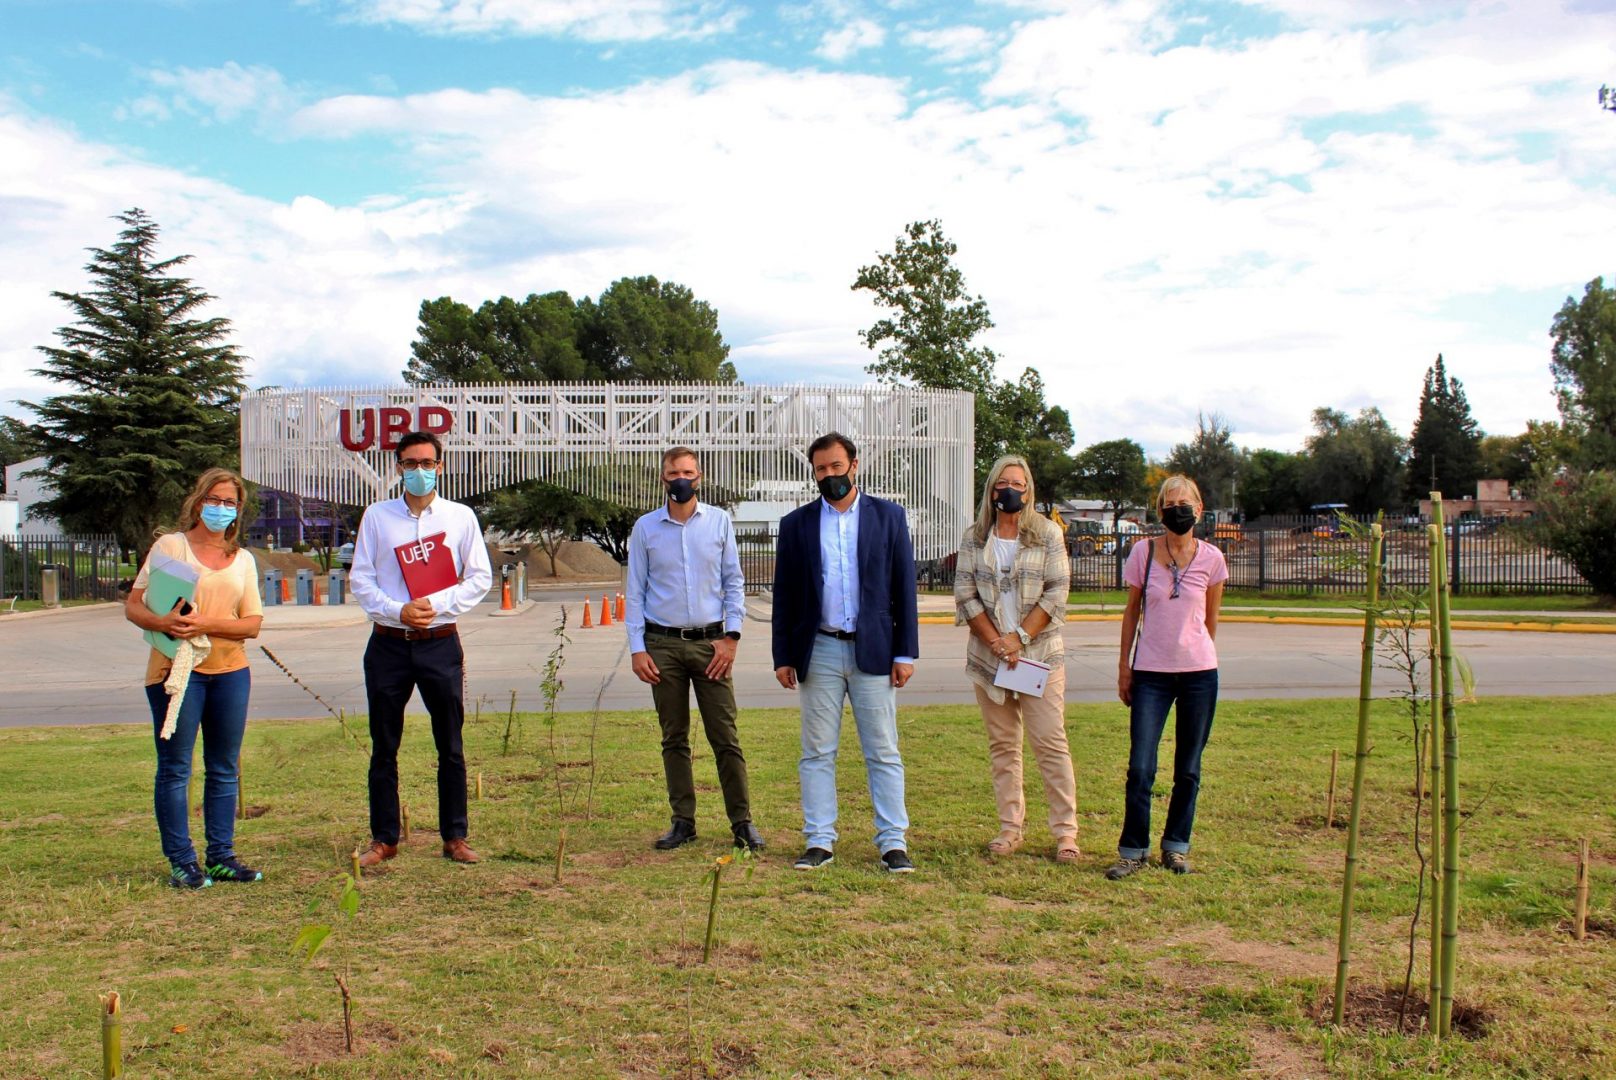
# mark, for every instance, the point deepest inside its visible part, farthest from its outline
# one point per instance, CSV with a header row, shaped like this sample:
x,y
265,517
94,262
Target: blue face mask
x,y
420,481
218,518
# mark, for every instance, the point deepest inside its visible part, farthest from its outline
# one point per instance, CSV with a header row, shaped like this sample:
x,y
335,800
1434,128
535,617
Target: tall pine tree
x,y
154,393
1445,448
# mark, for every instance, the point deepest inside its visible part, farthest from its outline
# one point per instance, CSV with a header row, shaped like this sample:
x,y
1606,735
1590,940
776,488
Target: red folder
x,y
428,566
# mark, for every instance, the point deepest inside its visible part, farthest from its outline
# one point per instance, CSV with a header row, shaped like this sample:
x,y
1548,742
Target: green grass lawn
x,y
6,607
1017,967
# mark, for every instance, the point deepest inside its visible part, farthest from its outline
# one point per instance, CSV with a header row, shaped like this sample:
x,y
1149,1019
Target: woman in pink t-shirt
x,y
1175,586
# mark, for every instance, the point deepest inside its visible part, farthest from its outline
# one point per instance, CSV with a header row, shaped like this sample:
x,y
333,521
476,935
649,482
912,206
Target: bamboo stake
x,y
111,1035
404,822
1433,758
479,785
1450,803
1581,923
353,865
1366,677
1329,803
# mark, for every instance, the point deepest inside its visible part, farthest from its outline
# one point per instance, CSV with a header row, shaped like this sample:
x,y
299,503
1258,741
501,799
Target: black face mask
x,y
836,487
681,489
1179,519
1008,499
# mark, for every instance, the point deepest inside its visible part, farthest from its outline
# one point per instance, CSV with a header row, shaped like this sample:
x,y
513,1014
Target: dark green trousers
x,y
683,667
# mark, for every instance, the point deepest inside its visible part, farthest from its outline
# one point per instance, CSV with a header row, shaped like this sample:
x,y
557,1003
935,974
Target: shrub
x,y
1579,524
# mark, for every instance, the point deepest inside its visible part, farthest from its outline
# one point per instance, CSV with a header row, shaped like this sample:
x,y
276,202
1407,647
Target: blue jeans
x,y
833,676
1154,692
215,705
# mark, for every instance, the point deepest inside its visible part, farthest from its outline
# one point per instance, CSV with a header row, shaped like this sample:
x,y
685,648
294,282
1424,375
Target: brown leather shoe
x,y
377,853
460,851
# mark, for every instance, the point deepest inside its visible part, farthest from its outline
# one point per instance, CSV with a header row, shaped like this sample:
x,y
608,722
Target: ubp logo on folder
x,y
428,565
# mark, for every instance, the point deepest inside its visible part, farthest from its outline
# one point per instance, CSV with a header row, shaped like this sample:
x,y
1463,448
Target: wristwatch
x,y
733,635
1026,638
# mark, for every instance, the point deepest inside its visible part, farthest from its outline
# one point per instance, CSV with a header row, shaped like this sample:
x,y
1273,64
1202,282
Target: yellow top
x,y
231,593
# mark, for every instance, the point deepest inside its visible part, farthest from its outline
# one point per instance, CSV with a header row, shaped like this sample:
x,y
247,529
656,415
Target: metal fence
x,y
87,566
1311,558
1307,558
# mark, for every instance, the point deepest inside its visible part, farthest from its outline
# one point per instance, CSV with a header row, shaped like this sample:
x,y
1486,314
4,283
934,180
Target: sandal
x,y
1005,844
1067,851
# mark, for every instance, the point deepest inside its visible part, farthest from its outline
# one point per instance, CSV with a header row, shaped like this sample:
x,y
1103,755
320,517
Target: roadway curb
x,y
1296,620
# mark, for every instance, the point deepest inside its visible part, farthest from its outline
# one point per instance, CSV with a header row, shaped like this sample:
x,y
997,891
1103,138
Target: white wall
x,y
30,490
10,515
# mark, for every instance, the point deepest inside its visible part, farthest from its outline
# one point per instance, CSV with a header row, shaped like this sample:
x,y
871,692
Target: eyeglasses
x,y
227,504
1177,576
419,463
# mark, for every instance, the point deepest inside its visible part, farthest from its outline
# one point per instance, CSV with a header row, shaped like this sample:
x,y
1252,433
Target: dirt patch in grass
x,y
1278,1058
252,812
1285,961
1598,929
1376,1009
1315,822
311,1043
688,954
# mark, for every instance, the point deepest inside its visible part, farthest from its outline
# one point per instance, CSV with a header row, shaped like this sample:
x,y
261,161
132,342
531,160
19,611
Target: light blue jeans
x,y
832,678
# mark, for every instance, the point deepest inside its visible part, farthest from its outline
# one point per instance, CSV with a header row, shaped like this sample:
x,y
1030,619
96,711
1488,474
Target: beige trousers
x,y
1044,722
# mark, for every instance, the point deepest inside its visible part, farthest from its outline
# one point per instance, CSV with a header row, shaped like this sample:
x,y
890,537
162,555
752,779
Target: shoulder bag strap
x,y
1144,593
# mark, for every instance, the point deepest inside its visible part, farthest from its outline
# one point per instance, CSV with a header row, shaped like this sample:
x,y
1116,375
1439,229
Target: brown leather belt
x,y
429,634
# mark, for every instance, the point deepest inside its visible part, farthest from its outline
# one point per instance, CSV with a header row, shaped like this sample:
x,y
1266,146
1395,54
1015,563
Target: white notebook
x,y
1027,677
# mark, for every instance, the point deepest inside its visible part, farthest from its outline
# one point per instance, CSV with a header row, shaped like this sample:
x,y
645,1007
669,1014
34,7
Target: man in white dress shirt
x,y
684,608
414,643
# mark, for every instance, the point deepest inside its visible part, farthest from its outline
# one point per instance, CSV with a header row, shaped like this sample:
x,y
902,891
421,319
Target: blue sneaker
x,y
188,876
230,868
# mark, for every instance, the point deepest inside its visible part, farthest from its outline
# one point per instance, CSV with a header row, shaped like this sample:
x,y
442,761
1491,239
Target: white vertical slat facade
x,y
606,439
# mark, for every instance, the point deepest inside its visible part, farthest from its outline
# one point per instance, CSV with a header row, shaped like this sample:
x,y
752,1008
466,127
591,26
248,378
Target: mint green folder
x,y
168,581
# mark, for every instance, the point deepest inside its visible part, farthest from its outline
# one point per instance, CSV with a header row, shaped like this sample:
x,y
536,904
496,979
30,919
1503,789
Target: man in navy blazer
x,y
846,628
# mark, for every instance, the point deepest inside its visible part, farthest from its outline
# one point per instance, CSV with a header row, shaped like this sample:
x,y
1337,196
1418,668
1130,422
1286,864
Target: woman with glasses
x,y
1169,656
1011,588
224,612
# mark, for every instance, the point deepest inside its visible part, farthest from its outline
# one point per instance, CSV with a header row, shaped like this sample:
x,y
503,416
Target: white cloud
x,y
841,43
223,93
591,20
951,44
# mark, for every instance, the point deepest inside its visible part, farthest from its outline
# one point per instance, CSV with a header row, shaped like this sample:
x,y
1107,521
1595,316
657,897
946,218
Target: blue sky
x,y
1252,208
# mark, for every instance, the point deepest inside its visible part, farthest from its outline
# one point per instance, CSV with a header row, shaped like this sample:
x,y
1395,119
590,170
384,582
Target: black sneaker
x,y
897,862
188,876
1176,861
813,859
231,868
1123,867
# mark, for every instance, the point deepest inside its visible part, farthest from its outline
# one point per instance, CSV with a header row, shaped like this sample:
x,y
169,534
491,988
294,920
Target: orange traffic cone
x,y
505,595
620,607
314,591
286,590
605,611
587,623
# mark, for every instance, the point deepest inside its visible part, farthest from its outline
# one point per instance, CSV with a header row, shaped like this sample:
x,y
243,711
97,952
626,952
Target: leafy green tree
x,y
1584,367
1445,447
640,330
154,392
643,330
1273,482
1355,460
1505,457
1578,519
928,338
1211,459
553,514
504,340
1113,472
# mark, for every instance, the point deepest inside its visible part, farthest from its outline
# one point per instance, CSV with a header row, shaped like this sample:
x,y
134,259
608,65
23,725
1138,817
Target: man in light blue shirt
x,y
684,607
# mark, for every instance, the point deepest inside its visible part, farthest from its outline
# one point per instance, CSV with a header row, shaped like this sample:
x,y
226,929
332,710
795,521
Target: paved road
x,y
83,665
